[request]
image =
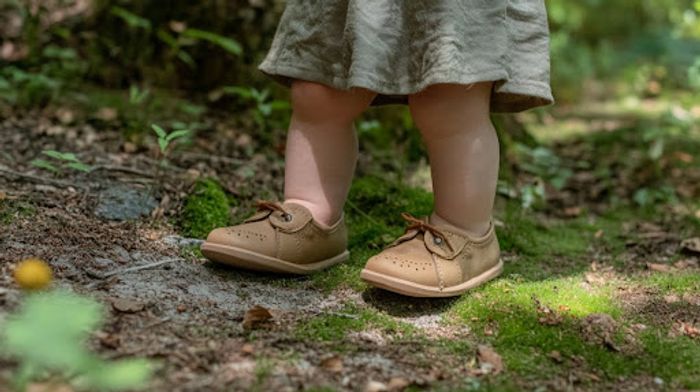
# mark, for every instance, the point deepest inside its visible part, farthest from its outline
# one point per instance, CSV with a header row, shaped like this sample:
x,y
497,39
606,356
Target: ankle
x,y
475,229
322,214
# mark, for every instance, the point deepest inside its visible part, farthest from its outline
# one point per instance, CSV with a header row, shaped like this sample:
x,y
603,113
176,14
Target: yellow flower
x,y
33,274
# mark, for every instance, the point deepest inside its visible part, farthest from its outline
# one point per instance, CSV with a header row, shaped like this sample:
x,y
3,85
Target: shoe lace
x,y
420,225
272,206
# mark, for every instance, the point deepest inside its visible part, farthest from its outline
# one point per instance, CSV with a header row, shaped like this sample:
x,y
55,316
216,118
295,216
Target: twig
x,y
61,184
214,158
157,322
123,169
364,214
138,268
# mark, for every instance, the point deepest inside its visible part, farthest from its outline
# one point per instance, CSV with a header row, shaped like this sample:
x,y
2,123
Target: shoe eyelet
x,y
437,240
287,217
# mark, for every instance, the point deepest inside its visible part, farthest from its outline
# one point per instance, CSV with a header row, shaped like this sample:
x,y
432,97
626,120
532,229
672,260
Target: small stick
x,y
138,268
61,184
123,169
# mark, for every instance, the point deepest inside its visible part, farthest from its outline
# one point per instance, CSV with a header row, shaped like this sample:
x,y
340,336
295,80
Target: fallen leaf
x,y
490,361
683,156
660,267
375,386
255,316
248,349
671,298
49,387
599,233
555,356
333,364
126,305
107,114
687,329
686,263
181,308
547,315
691,245
573,211
398,384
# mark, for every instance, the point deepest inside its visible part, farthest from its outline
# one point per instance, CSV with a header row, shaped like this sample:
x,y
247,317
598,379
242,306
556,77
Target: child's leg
x,y
322,147
463,151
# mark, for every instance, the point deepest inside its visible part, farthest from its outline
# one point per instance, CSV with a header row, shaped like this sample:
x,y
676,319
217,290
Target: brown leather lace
x,y
272,206
417,224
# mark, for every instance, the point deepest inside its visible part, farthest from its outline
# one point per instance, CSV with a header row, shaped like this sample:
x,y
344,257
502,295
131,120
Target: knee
x,y
317,102
445,109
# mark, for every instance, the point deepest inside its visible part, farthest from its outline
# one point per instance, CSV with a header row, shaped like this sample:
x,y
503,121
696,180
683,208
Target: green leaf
x,y
79,166
225,43
163,144
177,134
130,18
63,156
124,374
49,330
159,131
42,164
242,92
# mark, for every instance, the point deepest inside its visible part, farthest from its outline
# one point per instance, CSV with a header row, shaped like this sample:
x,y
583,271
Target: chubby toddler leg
x,y
322,147
463,152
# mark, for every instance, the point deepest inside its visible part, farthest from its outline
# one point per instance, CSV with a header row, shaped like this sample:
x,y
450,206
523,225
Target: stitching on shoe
x,y
438,271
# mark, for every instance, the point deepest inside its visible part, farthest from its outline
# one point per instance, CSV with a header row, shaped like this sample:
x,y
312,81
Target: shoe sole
x,y
412,289
246,259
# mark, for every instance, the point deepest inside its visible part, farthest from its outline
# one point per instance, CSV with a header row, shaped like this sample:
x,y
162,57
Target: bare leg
x,y
322,147
463,151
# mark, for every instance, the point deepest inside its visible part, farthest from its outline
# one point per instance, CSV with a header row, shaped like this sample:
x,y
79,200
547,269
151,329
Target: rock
x,y
182,242
120,203
126,305
375,386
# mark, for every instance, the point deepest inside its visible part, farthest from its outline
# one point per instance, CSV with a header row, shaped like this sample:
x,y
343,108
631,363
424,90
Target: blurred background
x,y
615,64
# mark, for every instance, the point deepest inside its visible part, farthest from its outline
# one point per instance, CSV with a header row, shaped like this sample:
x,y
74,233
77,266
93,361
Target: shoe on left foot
x,y
434,261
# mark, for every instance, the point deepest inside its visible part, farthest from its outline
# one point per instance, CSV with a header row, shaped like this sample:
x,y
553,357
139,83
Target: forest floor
x,y
601,288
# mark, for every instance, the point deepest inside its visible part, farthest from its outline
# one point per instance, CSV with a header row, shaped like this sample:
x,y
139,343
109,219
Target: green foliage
x,y
263,105
165,139
206,208
67,160
48,334
11,209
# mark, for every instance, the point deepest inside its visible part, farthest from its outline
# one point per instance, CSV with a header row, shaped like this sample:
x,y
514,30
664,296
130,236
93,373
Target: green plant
x,y
206,208
165,139
48,334
263,104
67,160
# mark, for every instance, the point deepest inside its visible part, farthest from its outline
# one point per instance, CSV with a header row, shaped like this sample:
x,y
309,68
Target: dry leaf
x,y
127,305
691,245
556,356
255,316
547,315
573,211
333,364
248,349
375,386
107,114
599,233
660,267
490,361
398,384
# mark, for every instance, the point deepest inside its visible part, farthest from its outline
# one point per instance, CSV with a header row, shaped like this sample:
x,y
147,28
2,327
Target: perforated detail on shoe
x,y
414,265
247,234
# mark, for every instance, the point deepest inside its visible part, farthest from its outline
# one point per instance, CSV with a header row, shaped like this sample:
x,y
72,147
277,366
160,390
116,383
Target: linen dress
x,y
399,47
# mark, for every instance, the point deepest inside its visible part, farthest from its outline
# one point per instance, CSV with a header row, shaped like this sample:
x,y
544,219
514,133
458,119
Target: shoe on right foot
x,y
281,238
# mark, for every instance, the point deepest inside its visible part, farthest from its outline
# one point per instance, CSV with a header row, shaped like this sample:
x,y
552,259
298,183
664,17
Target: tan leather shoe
x,y
279,238
434,261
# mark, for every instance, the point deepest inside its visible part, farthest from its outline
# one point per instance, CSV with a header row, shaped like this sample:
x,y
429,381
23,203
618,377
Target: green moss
x,y
334,327
679,283
12,209
206,208
373,216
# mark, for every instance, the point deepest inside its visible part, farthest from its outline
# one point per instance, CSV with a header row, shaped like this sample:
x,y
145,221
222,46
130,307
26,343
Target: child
x,y
452,62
